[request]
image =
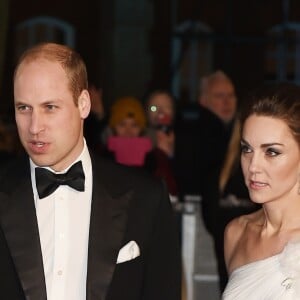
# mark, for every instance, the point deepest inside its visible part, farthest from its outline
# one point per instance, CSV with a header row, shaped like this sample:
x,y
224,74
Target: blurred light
x,y
153,108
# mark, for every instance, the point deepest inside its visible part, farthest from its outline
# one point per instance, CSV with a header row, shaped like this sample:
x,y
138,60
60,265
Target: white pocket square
x,y
130,251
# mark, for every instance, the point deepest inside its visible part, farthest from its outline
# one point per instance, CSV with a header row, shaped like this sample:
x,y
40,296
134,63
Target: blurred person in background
x,y
160,111
217,94
202,142
125,135
127,117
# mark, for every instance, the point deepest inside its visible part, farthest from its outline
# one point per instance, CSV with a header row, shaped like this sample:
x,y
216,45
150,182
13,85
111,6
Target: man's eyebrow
x,y
20,103
49,101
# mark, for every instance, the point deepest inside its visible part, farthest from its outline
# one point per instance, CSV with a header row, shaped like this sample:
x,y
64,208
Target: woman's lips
x,y
256,185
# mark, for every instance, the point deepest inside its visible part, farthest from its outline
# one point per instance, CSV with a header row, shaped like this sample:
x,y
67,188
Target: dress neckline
x,y
263,260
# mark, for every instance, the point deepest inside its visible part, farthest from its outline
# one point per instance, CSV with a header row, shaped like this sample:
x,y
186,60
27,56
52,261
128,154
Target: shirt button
x,y
59,273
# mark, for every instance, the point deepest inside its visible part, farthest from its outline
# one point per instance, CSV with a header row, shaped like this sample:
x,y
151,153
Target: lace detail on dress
x,y
289,262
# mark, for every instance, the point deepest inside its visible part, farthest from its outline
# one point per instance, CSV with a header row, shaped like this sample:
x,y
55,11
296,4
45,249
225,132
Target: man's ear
x,y
84,104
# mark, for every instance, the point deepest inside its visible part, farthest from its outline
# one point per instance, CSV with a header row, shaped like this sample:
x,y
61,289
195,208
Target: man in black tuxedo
x,y
74,226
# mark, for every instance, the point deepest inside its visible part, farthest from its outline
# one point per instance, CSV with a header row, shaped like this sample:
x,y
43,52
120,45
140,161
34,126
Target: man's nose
x,y
228,99
36,123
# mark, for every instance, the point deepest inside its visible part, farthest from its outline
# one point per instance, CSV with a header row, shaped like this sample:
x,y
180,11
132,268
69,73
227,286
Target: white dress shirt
x,y
63,221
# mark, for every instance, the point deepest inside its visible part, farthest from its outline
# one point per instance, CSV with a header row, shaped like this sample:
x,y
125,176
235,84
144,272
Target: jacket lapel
x,y
19,222
107,229
108,221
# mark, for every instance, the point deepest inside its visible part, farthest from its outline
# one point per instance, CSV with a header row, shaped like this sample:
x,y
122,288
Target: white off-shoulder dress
x,y
274,278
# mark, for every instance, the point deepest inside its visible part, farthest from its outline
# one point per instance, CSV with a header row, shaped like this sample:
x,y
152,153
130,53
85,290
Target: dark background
x,y
238,34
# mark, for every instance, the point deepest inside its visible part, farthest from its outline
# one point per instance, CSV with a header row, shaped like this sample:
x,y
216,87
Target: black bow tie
x,y
47,182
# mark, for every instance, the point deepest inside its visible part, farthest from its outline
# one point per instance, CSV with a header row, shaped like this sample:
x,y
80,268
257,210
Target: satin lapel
x,y
19,222
107,229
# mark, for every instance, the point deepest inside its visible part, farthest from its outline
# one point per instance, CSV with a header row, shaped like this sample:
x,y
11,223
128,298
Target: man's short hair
x,y
207,81
70,61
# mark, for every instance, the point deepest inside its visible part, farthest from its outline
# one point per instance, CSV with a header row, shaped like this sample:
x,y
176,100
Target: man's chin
x,y
40,160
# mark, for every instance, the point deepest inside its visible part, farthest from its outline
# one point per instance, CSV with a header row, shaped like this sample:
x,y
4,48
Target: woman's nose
x,y
254,164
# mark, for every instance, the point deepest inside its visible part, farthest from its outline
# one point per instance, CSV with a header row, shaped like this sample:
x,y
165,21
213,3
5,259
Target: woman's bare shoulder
x,y
236,227
235,231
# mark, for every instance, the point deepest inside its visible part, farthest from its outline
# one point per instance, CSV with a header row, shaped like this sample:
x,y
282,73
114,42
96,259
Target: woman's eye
x,y
272,152
245,149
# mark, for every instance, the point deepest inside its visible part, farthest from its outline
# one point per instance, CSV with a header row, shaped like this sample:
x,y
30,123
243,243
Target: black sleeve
x,y
163,269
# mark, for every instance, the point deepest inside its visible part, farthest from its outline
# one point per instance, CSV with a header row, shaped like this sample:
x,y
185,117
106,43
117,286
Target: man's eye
x,y
50,107
22,108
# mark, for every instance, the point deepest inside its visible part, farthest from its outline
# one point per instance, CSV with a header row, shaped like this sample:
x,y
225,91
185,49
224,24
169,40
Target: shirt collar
x,y
84,156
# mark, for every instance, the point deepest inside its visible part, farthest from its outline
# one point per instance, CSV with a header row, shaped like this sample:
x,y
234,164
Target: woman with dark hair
x,y
262,249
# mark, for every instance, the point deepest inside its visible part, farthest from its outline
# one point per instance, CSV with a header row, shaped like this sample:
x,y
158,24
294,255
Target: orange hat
x,y
127,107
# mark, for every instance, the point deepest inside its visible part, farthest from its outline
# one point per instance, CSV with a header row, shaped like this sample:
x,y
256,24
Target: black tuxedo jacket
x,y
126,205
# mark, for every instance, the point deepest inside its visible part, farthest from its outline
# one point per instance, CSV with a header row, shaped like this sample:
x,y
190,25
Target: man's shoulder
x,y
117,174
14,174
14,170
137,184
